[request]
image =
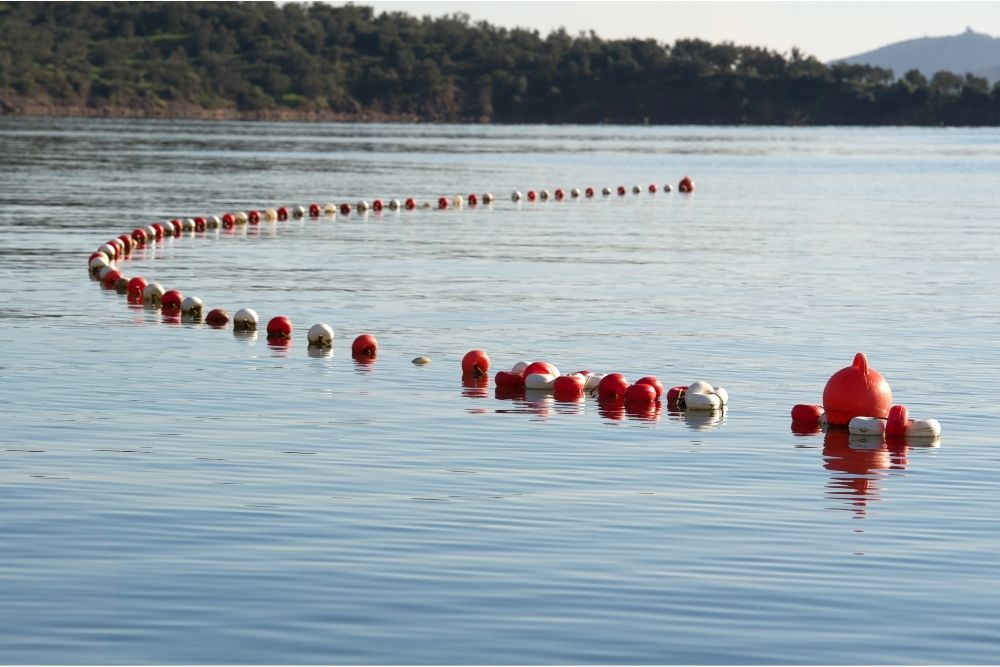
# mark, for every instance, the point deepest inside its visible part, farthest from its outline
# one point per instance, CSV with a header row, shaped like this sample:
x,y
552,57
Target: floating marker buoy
x,y
140,237
866,426
674,394
394,204
589,191
569,387
700,395
574,193
135,287
542,381
612,386
282,213
228,220
532,195
856,390
652,189
668,188
345,209
109,250
330,208
519,367
686,185
127,243
241,218
279,328
410,204
636,189
457,201
897,420
653,382
217,317
313,210
807,415
542,367
606,190
923,428
110,278
621,190
559,194
543,195
364,345
298,212
509,380
640,394
199,224
245,319
320,335
421,361
253,217
515,196
426,204
473,199
442,202
98,261
155,232
213,222
488,198
152,294
105,270
121,285
270,214
362,206
172,300
187,225
377,205
192,306
475,363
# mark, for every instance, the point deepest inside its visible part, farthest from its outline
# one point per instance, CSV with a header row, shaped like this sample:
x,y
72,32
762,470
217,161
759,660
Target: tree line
x,y
259,57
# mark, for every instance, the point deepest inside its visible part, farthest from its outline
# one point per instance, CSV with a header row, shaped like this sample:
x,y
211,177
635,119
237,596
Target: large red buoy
x,y
475,363
686,185
674,394
442,202
279,328
612,386
856,391
364,345
621,190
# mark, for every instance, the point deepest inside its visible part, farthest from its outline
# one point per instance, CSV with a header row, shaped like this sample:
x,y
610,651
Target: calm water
x,y
171,493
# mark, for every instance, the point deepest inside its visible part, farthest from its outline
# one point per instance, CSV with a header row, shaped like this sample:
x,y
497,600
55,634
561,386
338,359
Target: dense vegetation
x,y
259,59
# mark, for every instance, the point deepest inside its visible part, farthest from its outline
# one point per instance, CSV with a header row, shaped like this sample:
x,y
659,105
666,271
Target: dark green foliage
x,y
314,58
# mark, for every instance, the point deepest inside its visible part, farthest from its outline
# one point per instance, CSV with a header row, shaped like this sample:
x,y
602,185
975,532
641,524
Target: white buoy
x,y
150,232
363,206
192,305
575,192
330,208
270,215
700,395
152,294
98,262
923,428
298,212
866,426
241,218
394,204
421,361
213,222
188,225
519,367
488,198
458,201
245,319
105,270
605,190
515,196
321,335
543,195
109,250
539,381
636,189
668,188
593,380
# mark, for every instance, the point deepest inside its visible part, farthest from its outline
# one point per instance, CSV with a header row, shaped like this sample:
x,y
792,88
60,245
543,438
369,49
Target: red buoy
x,y
279,328
674,394
140,237
568,387
532,195
253,217
686,185
228,220
653,382
442,202
475,363
899,417
172,300
199,224
364,345
410,204
158,230
621,190
313,210
282,213
110,278
559,194
540,367
807,415
640,394
126,243
509,380
652,189
135,287
473,199
589,191
612,386
377,205
856,391
345,209
217,317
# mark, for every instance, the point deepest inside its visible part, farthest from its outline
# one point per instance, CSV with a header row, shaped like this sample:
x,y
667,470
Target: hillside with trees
x,y
262,60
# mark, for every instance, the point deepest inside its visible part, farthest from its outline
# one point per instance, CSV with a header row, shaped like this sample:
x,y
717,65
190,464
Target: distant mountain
x,y
969,52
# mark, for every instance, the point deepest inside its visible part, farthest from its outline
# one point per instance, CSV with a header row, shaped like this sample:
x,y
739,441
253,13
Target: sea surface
x,y
173,493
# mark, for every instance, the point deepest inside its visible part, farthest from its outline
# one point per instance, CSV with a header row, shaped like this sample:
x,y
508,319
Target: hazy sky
x,y
827,30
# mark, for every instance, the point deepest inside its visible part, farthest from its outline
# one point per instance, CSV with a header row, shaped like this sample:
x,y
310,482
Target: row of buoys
x,y
858,397
608,387
686,185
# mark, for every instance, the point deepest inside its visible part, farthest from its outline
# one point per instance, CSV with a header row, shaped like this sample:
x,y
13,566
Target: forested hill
x,y
261,60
